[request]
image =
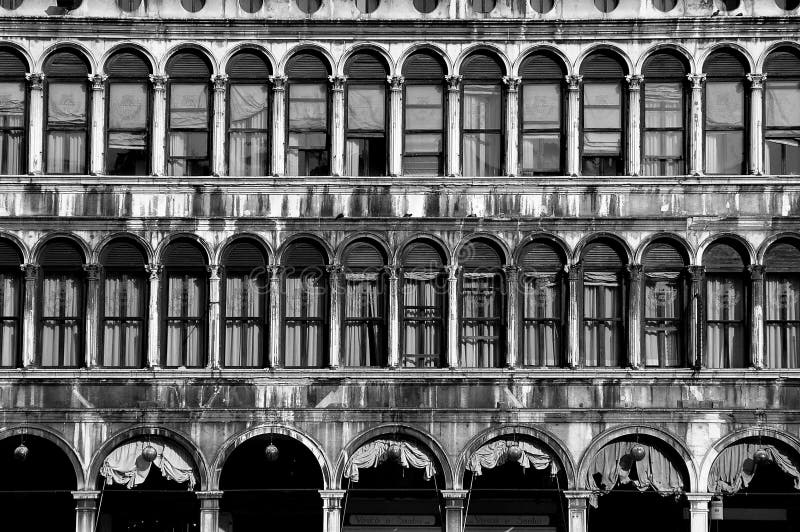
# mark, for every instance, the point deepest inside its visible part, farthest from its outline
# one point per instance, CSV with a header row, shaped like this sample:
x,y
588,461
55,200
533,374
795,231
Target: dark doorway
x,y
626,509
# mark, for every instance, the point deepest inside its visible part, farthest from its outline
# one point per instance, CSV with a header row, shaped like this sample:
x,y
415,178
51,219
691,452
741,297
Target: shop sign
x,y
716,510
392,520
508,520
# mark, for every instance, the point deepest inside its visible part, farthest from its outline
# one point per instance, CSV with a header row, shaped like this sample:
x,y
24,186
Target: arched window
x,y
664,120
364,305
61,304
67,115
13,106
246,300
782,264
10,304
365,151
307,152
305,310
188,138
482,302
128,112
602,146
424,123
248,115
542,304
124,303
726,111
184,304
423,306
726,305
541,109
482,106
604,297
665,294
782,112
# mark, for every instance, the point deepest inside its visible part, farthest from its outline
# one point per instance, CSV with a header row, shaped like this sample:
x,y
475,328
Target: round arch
x,y
29,63
543,236
129,45
762,59
501,245
162,66
701,249
482,47
56,439
329,253
42,242
73,45
244,47
24,252
166,241
368,47
603,47
369,236
219,251
593,237
540,48
122,235
306,47
665,47
730,45
423,47
769,241
432,239
678,240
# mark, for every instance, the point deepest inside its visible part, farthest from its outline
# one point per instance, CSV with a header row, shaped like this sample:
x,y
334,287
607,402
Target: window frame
x,y
426,82
622,130
77,273
745,128
683,128
368,134
745,321
522,131
267,132
144,320
261,321
19,283
380,322
681,322
487,80
86,128
559,323
208,130
783,324
326,82
770,78
22,129
323,322
148,130
185,321
481,323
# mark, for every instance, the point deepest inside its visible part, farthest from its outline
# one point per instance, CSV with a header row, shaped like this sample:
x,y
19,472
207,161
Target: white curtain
x,y
495,454
661,310
247,150
725,346
602,312
66,152
12,115
61,323
123,338
541,341
244,317
480,299
363,342
184,290
127,107
724,110
482,151
782,104
126,466
9,310
735,467
374,453
306,300
422,324
783,321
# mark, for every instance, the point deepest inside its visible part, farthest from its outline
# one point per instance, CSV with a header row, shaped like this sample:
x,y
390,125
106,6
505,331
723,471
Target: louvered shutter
x,y
542,66
478,254
482,66
61,254
123,255
184,254
602,65
542,256
423,65
664,65
423,255
10,256
248,65
783,63
188,65
725,64
723,257
127,65
66,64
365,66
307,66
244,255
12,65
363,255
602,256
660,256
783,256
301,254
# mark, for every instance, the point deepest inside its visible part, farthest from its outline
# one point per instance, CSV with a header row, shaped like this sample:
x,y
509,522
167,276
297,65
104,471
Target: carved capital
x,y
393,272
98,81
275,271
395,83
452,271
511,271
159,82
154,270
92,271
334,270
214,271
696,80
35,80
756,272
634,82
757,80
574,81
635,271
220,82
337,83
278,83
453,83
512,83
696,272
31,271
575,271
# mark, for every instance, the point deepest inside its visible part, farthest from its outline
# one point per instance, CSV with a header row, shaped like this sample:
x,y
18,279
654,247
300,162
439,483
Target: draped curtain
x,y
783,321
307,153
126,466
66,124
123,326
244,319
61,319
725,127
734,468
248,141
495,454
725,345
185,310
374,453
541,336
481,304
482,121
602,110
602,314
422,313
663,150
188,124
782,124
305,312
363,329
9,324
12,120
662,312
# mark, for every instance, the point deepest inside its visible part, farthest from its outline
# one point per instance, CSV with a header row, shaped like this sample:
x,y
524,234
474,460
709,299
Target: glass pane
x,y
366,108
725,297
663,105
541,153
11,152
66,103
782,102
602,108
482,107
663,144
12,104
724,104
782,156
186,144
127,107
308,140
424,107
247,153
482,154
424,143
365,156
66,152
541,106
724,152
596,143
542,298
308,106
188,105
249,106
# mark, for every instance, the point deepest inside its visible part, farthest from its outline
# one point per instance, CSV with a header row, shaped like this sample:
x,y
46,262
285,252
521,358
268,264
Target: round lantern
x,y
394,452
21,452
149,453
760,456
638,452
272,452
514,452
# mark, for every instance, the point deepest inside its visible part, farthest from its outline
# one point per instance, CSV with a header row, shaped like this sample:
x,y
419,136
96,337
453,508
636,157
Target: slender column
x,y
97,133
698,511
757,318
331,510
634,127
573,123
696,125
695,355
278,124
337,125
335,334
635,359
159,123
756,119
35,122
220,82
578,502
85,510
452,316
396,125
575,276
393,336
214,360
512,311
92,314
453,125
29,316
512,128
454,509
153,331
209,510
275,299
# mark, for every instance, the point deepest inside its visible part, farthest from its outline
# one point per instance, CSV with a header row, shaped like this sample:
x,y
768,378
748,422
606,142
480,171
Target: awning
x,y
495,454
374,453
125,465
735,467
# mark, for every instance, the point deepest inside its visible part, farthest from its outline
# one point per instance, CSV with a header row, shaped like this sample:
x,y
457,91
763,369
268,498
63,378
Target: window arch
x,y
128,114
542,112
11,293
665,296
542,303
726,304
664,121
61,305
365,151
364,305
782,312
67,114
305,310
185,304
602,145
481,108
13,110
604,303
726,112
124,299
424,118
188,139
424,290
307,151
782,112
248,115
245,293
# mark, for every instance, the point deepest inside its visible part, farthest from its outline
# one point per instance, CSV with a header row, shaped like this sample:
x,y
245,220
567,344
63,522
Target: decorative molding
x,y
634,82
93,271
395,83
337,83
696,80
31,271
35,80
453,83
159,81
756,272
154,270
757,80
278,83
574,81
98,81
512,83
220,82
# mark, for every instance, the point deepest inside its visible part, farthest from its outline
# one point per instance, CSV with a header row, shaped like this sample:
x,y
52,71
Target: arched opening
x,y
782,312
726,112
12,114
35,490
307,116
248,114
272,479
481,107
11,298
542,115
424,118
664,109
366,122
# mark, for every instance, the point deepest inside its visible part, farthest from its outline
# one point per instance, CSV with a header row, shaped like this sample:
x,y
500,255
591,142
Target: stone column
x,y
634,124
209,510
454,509
278,125
337,125
393,335
696,337
757,318
218,158
159,124
452,316
573,123
98,130
395,125
696,125
698,511
214,273
86,503
512,312
512,127
575,278
331,510
335,334
635,278
35,122
154,321
756,119
453,125
578,501
275,299
92,315
29,354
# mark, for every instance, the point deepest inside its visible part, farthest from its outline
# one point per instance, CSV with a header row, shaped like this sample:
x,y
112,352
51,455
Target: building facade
x,y
374,265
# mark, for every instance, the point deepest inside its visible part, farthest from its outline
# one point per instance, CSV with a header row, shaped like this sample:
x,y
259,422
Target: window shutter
x,y
664,65
601,256
188,65
248,65
11,65
478,254
123,255
661,256
365,66
307,66
184,254
127,65
302,254
542,66
61,254
783,256
724,257
783,64
542,256
423,65
66,64
244,254
482,66
363,255
602,65
10,256
725,64
423,255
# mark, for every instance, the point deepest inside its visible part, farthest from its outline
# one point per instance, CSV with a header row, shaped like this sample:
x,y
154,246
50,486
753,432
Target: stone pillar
x,y
159,124
335,334
91,342
35,122
274,316
218,158
395,125
756,119
512,312
452,316
757,318
393,335
573,124
453,125
278,125
214,360
337,125
512,128
209,510
635,278
331,510
154,321
86,503
696,125
97,132
634,124
454,509
695,355
578,518
698,511
575,278
29,354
